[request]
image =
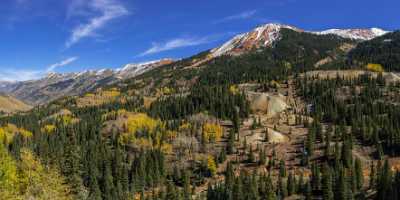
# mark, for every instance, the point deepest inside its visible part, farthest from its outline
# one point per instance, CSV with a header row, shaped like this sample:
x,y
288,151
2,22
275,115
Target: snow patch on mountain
x,y
266,35
131,70
356,34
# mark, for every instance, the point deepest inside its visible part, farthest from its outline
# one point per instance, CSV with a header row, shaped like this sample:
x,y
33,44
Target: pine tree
x,y
238,190
282,189
308,191
346,154
253,190
337,153
229,177
171,193
310,143
236,121
358,174
263,157
109,192
245,144
231,142
372,176
385,182
341,187
271,195
186,186
251,156
222,156
254,124
266,138
282,168
379,150
316,177
327,183
327,151
71,166
94,193
291,184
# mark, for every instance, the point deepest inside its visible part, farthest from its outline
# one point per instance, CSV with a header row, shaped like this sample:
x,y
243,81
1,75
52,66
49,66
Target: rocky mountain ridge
x,y
56,85
266,35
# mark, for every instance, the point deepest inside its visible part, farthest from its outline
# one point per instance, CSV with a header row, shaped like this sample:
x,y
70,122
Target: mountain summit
x,y
56,85
266,35
261,36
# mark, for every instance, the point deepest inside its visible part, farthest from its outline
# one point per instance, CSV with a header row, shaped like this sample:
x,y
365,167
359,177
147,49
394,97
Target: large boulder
x,y
265,103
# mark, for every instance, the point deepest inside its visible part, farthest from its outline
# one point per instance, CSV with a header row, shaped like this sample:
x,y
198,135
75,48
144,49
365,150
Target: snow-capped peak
x,y
101,71
53,75
137,66
264,35
356,34
135,69
378,31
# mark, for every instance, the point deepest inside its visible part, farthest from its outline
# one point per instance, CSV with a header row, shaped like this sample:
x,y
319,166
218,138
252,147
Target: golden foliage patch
x,y
212,132
99,98
8,132
375,67
211,165
141,122
49,129
233,89
165,91
29,179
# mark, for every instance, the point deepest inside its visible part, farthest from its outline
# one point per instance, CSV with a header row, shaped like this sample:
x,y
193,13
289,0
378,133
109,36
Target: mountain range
x,y
290,113
56,85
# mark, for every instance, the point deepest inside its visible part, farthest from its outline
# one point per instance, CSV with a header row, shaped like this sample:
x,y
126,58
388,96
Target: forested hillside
x,y
384,50
261,125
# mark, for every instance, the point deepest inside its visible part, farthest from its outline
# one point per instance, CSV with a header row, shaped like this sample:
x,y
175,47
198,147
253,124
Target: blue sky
x,y
42,36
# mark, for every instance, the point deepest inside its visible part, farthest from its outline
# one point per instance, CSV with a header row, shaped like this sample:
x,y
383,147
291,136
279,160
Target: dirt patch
x,y
346,47
332,74
323,62
277,137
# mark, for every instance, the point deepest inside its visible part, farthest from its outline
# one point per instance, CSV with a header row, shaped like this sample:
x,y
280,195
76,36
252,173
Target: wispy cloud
x,y
244,15
26,74
178,43
108,9
19,75
62,63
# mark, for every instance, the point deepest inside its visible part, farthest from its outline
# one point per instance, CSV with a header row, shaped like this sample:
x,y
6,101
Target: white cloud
x,y
177,43
25,74
62,63
108,9
244,15
19,75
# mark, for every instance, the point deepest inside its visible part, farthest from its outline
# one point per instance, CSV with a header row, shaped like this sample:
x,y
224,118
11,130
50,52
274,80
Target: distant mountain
x,y
356,34
56,85
266,35
132,70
